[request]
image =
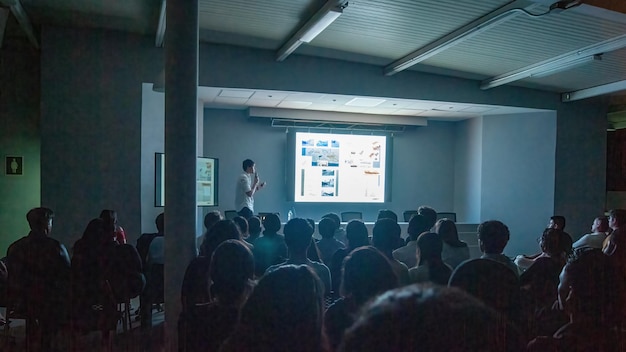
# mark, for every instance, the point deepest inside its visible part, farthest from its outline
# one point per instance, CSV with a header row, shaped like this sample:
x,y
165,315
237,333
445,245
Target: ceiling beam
x,y
22,18
594,91
160,32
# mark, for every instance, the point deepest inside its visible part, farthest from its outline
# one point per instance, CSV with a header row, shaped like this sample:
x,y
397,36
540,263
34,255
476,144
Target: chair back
x,y
449,215
230,214
490,281
351,215
408,214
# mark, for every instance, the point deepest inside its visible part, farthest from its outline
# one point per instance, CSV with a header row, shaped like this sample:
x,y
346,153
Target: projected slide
x,y
339,168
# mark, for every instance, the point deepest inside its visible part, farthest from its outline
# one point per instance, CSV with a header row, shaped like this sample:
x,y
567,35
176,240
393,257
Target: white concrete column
x,y
181,104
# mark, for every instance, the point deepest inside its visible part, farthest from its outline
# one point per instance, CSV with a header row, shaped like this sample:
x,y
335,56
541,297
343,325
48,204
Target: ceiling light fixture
x,y
559,63
312,28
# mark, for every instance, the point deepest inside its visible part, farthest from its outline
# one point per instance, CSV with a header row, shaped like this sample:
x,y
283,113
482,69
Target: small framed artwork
x,y
14,165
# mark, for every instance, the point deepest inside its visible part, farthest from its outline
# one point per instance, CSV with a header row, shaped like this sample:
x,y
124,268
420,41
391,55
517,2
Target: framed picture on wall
x,y
206,181
14,165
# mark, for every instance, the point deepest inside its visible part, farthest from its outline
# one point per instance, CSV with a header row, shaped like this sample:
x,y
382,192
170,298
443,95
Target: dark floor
x,y
136,339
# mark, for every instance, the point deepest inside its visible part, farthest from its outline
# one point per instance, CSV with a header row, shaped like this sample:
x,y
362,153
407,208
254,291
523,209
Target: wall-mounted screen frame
x,y
207,175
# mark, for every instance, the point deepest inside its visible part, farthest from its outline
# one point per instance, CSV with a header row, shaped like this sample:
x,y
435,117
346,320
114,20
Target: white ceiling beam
x,y
312,28
463,33
561,62
160,32
335,116
22,18
594,91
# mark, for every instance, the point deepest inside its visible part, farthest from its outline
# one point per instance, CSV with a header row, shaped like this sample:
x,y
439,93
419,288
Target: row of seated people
x,y
55,293
286,309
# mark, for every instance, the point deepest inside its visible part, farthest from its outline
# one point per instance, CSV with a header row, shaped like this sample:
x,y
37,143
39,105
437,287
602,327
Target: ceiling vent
x,y
336,120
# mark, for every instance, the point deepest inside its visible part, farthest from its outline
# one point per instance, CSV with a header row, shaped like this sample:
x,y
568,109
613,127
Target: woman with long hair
x,y
430,266
454,250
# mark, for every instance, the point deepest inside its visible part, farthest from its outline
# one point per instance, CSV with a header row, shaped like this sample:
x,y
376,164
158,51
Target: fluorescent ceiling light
x,y
561,62
312,28
469,30
320,25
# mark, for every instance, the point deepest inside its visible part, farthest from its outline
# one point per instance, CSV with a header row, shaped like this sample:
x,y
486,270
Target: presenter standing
x,y
247,185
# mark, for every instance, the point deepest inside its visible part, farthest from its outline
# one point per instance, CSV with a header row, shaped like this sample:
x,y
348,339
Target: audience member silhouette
x,y
430,266
493,236
211,218
595,239
328,245
254,227
539,283
425,318
284,313
340,232
387,214
408,253
615,248
551,245
313,252
206,325
357,236
195,287
585,293
429,213
39,279
558,222
242,223
143,242
270,248
454,250
104,273
298,235
366,273
110,219
384,237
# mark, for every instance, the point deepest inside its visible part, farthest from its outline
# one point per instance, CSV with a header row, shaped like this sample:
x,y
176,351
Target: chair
x,y
490,281
351,215
262,216
230,214
451,216
408,214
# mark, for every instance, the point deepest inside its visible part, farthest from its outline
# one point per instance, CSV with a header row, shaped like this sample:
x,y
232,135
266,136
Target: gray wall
x,y
91,125
19,136
468,167
517,184
423,165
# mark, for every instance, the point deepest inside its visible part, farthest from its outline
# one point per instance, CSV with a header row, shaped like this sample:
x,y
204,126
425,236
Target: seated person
x,y
585,294
39,276
298,235
143,242
340,233
366,273
283,313
384,237
254,228
328,245
539,283
454,250
110,219
426,318
551,247
270,248
430,266
493,236
595,239
407,254
206,325
357,236
195,288
387,214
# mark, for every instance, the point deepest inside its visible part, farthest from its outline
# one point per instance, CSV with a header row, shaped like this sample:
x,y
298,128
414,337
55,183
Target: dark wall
x,y
91,114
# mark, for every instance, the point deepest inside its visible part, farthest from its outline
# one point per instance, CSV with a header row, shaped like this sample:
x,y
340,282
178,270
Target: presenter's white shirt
x,y
244,185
